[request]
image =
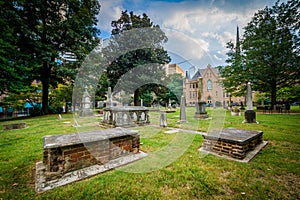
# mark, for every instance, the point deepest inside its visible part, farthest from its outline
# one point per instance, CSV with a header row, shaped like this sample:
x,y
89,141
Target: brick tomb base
x,y
233,143
67,153
14,126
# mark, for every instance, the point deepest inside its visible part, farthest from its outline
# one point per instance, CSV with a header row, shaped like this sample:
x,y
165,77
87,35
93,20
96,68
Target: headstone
x,y
86,104
59,117
163,119
182,110
250,115
200,104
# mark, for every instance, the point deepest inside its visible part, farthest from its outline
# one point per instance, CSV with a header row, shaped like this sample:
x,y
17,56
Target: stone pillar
x,y
182,110
250,115
109,97
200,105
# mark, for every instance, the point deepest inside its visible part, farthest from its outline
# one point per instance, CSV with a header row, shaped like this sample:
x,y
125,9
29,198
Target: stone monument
x,y
200,104
86,104
109,97
163,119
250,115
182,110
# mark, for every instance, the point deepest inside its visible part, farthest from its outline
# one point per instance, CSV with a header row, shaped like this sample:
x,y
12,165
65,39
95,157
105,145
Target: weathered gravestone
x,y
200,104
250,115
182,110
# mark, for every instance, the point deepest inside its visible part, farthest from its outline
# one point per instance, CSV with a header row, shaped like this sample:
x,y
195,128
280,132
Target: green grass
x,y
273,174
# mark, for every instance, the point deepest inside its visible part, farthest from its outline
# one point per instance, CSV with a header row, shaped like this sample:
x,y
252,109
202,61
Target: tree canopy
x,y
136,43
45,30
269,56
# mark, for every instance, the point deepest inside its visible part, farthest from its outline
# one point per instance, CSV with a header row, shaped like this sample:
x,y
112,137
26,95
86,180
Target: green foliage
x,y
136,43
270,51
175,87
41,31
15,65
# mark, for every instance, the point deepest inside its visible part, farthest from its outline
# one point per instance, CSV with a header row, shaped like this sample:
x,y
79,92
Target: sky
x,y
197,30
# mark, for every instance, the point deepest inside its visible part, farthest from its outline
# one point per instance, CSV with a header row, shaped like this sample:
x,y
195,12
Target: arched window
x,y
209,85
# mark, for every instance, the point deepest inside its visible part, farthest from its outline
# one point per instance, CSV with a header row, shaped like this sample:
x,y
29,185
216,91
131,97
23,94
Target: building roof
x,y
198,74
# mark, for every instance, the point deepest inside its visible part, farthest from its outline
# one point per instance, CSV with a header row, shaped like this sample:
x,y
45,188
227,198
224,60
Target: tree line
x,y
267,55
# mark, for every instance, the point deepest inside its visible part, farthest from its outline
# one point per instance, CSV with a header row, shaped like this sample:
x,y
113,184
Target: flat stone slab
x,y
14,126
41,185
233,135
84,137
249,156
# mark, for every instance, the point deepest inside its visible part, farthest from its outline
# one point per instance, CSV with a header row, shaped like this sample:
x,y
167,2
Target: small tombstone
x,y
163,119
59,117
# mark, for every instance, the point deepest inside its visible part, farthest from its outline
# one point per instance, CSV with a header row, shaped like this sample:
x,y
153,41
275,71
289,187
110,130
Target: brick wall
x,y
235,150
60,160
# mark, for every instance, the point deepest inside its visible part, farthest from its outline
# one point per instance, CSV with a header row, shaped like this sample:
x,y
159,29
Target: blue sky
x,y
197,30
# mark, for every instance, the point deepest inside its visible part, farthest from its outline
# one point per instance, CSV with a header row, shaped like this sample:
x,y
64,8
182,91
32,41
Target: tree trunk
x,y
66,107
45,82
273,96
136,97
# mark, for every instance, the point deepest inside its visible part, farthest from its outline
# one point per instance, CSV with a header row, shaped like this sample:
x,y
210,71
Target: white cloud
x,y
110,10
197,30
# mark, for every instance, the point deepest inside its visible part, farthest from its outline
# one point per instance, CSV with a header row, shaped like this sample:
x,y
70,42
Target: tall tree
x,y
129,32
235,72
53,27
270,50
15,65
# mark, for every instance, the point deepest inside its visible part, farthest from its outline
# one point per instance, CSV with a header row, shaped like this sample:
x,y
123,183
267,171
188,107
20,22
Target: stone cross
x,y
182,110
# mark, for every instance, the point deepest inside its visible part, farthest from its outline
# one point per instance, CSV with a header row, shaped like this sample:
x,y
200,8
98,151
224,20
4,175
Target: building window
x,y
216,93
209,85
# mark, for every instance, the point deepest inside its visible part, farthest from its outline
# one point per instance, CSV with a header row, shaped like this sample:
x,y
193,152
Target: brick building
x,y
213,93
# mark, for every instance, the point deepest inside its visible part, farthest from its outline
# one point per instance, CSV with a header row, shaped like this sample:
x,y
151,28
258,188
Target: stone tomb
x,y
125,116
14,126
65,154
234,143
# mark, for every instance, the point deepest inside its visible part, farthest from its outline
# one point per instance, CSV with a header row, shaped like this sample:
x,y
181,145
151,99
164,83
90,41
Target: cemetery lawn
x,y
273,174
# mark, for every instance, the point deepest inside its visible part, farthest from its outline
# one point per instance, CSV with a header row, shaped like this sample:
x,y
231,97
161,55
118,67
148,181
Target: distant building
x,y
68,57
213,93
174,69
